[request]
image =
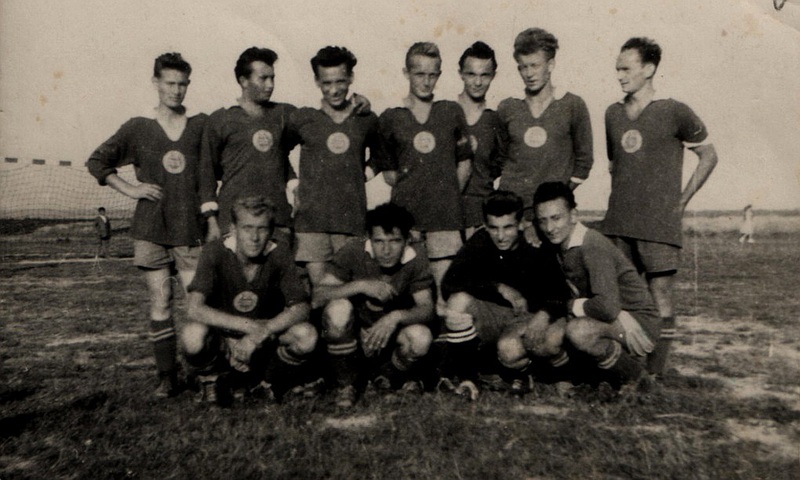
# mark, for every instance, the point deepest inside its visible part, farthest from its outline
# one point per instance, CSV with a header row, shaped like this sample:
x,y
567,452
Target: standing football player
x,y
477,67
549,132
167,226
428,158
646,136
331,199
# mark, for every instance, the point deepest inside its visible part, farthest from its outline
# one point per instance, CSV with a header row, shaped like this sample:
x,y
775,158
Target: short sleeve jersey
x,y
354,262
484,138
175,219
331,195
598,271
425,156
647,162
220,277
554,147
249,156
479,267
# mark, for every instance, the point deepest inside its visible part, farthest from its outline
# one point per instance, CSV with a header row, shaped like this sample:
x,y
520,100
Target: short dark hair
x,y
478,50
389,216
649,51
534,39
101,209
255,205
253,54
552,191
502,202
171,61
333,57
426,49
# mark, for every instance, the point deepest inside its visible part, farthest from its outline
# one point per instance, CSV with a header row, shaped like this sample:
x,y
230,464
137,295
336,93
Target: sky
x,y
71,72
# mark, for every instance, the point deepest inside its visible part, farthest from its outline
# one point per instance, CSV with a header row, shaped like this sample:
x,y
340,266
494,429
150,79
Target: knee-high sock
x,y
165,346
657,359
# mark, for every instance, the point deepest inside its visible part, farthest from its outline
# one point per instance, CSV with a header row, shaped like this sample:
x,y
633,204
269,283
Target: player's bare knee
x,y
582,333
337,319
415,340
459,302
510,352
192,337
302,338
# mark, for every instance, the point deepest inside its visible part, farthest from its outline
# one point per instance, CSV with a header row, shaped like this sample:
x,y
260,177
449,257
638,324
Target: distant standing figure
x,y
747,226
102,225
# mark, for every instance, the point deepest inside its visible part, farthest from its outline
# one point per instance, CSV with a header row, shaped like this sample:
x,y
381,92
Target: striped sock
x,y
657,359
165,345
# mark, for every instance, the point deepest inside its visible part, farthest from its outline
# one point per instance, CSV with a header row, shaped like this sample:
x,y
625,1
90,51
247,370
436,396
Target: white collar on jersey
x,y
408,253
656,96
230,243
577,236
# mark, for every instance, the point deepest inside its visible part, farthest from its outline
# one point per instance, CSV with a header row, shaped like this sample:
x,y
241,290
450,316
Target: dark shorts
x,y
153,256
492,320
650,257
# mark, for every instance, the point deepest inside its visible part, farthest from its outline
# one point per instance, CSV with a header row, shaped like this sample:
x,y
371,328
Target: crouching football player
x,y
379,295
612,317
248,308
496,284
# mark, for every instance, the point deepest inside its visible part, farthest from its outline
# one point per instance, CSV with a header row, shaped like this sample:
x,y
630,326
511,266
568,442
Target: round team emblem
x,y
424,142
174,162
473,142
245,302
338,143
632,141
262,140
535,137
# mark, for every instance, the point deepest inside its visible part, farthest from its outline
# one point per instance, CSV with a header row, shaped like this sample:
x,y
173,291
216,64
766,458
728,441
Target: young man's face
x,y
334,82
556,220
631,72
477,75
252,233
423,75
504,231
171,86
258,86
535,70
388,247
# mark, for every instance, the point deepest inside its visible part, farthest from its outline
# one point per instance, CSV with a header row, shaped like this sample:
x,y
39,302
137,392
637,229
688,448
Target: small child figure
x,y
102,226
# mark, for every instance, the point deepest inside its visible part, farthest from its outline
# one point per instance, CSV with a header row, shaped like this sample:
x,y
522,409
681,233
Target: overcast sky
x,y
72,71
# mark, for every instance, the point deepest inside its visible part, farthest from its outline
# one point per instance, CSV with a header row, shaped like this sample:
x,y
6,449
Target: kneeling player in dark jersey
x,y
612,317
380,296
494,288
248,306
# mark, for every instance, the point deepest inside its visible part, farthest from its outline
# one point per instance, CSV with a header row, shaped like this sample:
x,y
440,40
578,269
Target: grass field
x,y
76,375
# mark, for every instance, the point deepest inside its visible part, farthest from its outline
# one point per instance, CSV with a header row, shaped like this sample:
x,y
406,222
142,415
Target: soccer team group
x,y
477,268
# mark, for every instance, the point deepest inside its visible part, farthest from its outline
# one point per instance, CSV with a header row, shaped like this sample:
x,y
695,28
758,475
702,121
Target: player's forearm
x,y
212,317
325,293
420,313
117,183
707,161
289,317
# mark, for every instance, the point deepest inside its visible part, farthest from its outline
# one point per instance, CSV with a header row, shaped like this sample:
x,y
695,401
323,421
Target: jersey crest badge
x,y
245,301
424,142
338,143
174,162
263,140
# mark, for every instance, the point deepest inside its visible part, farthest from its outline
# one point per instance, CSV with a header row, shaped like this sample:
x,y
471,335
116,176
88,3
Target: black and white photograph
x,y
536,239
